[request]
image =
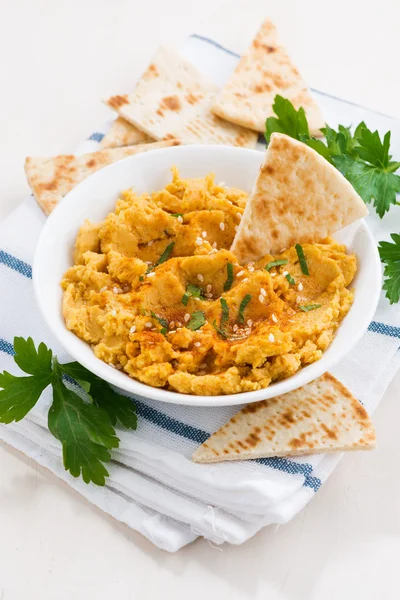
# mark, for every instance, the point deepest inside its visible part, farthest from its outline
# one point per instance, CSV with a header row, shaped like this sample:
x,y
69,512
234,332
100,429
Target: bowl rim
x,y
137,388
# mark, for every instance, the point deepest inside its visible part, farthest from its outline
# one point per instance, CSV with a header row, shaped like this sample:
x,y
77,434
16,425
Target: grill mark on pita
x,y
118,101
171,103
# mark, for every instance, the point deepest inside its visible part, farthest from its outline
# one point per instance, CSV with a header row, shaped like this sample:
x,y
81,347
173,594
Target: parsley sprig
x,y
390,256
83,423
363,157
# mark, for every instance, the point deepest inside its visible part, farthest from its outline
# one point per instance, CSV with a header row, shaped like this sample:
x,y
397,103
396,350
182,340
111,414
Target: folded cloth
x,y
153,486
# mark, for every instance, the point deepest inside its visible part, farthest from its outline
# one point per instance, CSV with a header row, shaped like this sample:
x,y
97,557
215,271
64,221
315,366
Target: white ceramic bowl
x,y
95,197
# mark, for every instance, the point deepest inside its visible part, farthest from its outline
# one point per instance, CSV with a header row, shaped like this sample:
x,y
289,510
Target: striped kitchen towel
x,y
153,486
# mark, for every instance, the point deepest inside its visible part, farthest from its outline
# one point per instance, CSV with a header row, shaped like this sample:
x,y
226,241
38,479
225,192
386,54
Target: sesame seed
x,y
196,299
147,262
273,274
171,325
273,317
200,277
249,322
271,338
222,226
197,344
261,298
235,328
214,244
199,241
173,331
240,273
251,269
178,328
208,295
150,243
262,290
148,324
116,290
298,300
151,274
132,329
150,343
245,279
186,318
229,202
285,273
300,287
103,289
204,234
113,312
209,287
179,325
180,219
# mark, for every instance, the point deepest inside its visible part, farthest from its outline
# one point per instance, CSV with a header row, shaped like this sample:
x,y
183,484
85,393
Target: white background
x,y
57,60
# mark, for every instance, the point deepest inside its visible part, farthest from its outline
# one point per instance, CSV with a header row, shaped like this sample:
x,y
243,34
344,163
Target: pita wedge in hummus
x,y
264,71
50,179
321,416
157,293
298,197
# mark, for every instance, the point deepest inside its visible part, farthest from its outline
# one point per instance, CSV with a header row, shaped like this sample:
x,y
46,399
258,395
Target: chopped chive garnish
x,y
218,330
197,320
163,331
276,263
229,280
141,278
290,278
308,307
166,254
225,312
176,215
302,259
192,291
242,307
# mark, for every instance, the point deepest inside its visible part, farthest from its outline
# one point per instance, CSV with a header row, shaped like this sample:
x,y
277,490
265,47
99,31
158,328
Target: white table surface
x,y
57,60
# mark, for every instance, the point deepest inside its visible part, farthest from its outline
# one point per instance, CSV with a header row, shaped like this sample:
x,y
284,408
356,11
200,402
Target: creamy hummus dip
x,y
156,292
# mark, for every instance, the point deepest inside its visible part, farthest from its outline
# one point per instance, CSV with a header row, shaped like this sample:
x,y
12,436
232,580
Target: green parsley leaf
x,y
290,278
20,394
229,279
119,407
309,307
218,330
197,320
276,263
192,291
242,307
225,312
288,120
302,259
84,431
390,255
163,322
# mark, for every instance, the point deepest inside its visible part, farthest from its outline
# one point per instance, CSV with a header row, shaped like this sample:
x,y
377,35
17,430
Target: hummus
x,y
156,292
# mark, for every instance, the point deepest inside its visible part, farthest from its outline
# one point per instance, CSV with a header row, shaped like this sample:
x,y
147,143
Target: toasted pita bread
x,y
122,133
321,416
52,178
298,197
263,72
185,116
167,72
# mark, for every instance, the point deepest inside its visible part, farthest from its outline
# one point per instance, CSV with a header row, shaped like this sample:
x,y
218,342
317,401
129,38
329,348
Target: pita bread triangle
x,y
122,133
298,197
52,178
185,116
321,416
264,71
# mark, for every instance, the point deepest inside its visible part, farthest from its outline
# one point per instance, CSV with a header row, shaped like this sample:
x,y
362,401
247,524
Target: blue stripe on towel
x,y
384,329
16,264
199,436
96,136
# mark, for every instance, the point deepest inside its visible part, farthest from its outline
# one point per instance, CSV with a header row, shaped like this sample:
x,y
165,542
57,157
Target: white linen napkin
x,y
153,486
